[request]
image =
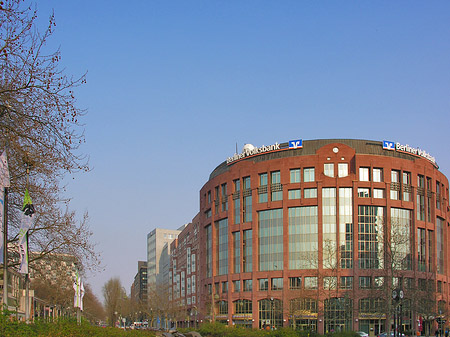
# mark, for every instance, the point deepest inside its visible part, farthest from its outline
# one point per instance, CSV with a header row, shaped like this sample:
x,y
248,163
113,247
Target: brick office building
x,y
322,234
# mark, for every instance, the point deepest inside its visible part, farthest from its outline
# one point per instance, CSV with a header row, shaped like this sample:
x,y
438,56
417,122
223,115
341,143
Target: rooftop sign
x,y
388,145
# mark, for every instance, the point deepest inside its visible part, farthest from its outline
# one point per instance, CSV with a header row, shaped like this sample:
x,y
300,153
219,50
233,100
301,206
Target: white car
x,y
362,333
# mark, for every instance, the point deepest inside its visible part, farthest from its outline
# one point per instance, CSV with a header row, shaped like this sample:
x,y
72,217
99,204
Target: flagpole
x,y
5,249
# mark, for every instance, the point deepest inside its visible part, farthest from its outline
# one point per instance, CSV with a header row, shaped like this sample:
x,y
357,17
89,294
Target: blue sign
x,y
295,144
388,145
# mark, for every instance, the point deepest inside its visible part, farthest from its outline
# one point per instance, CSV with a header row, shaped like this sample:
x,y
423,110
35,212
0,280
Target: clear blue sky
x,y
172,86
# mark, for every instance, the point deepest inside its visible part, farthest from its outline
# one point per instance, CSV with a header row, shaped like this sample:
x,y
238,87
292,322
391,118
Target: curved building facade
x,y
325,235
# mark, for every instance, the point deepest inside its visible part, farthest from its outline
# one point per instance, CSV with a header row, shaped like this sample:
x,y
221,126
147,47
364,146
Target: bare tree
x,y
114,295
40,129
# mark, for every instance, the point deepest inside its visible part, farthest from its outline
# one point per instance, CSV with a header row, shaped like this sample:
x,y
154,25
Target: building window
x,y
294,194
222,246
295,283
329,244
342,170
370,237
237,251
247,250
429,199
310,282
276,187
365,282
303,237
248,285
328,169
225,287
263,284
440,245
438,195
309,193
421,249
346,227
401,222
407,188
224,198
208,251
378,193
330,282
378,175
308,174
430,250
237,286
395,185
346,282
243,307
277,283
364,174
216,201
363,192
247,200
295,175
262,189
270,224
237,201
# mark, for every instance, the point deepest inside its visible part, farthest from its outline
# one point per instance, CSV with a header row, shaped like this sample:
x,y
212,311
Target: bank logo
x,y
295,144
388,145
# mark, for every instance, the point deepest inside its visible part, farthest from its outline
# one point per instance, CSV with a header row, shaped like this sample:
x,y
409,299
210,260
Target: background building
x,y
139,286
321,235
183,275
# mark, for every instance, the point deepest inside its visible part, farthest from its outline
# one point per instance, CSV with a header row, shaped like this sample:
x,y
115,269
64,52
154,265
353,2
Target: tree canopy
x,y
41,130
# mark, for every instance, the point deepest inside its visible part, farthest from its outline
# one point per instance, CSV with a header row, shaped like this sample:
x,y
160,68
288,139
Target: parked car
x,y
362,333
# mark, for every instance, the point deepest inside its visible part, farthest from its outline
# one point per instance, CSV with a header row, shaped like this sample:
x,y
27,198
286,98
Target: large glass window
x,y
247,200
295,175
401,254
270,313
247,250
421,249
270,224
243,307
338,313
237,251
328,169
303,237
440,245
310,282
420,197
430,250
208,251
276,187
262,190
308,174
329,228
222,246
346,227
237,201
370,237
